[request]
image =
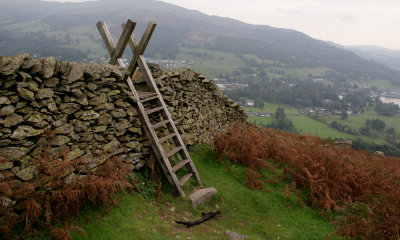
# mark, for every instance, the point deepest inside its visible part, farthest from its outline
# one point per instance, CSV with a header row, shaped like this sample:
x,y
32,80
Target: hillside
x,y
256,214
48,28
377,54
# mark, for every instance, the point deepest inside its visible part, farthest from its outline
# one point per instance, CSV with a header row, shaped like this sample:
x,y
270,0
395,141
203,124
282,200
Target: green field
x,y
306,125
358,121
216,63
271,108
382,84
256,214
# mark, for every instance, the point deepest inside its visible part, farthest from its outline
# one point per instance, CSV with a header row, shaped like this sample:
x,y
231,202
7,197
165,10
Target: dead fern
x,y
334,177
50,198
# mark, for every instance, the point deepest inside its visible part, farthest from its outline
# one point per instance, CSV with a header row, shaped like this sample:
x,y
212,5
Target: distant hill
x,y
67,31
386,56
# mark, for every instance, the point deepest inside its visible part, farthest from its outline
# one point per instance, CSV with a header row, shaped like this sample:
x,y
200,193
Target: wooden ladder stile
x,y
154,95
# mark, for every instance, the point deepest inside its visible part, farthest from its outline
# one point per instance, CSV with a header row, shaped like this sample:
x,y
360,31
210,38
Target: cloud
x,y
68,0
345,17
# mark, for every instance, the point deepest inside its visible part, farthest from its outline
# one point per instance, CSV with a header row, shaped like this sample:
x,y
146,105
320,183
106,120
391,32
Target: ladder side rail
x,y
159,151
166,114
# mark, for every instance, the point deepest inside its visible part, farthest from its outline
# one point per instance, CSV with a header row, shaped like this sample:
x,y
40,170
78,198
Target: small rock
x,y
7,110
89,115
104,119
74,154
69,108
91,86
64,129
235,236
12,120
113,93
118,113
135,130
6,202
44,93
99,129
112,145
24,75
80,126
37,118
10,64
4,100
48,66
86,136
379,153
60,140
124,124
98,100
13,153
132,145
51,82
77,93
25,131
70,178
6,165
27,173
75,72
26,94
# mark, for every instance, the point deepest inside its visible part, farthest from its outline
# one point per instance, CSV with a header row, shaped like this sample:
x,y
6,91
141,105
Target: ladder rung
x,y
173,151
163,139
147,96
185,178
150,111
159,124
179,165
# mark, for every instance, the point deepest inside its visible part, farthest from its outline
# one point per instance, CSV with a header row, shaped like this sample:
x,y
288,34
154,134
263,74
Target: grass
x,y
382,84
310,126
271,108
217,63
256,214
358,121
29,26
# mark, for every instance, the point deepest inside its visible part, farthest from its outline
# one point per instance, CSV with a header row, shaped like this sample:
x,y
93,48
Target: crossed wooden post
x,y
126,37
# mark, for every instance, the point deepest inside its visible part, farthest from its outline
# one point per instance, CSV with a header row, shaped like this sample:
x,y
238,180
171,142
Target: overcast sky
x,y
347,22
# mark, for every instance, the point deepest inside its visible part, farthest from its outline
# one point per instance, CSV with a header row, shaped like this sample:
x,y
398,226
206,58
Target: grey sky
x,y
347,22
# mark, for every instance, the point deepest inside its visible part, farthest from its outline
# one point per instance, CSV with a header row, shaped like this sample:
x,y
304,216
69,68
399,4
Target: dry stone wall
x,y
81,110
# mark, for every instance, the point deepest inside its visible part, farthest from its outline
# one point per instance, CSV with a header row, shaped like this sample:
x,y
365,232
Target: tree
x,y
282,122
365,131
391,131
376,124
386,109
344,115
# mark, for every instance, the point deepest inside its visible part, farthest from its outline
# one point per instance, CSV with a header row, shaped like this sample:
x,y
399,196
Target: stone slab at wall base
x,y
201,196
77,110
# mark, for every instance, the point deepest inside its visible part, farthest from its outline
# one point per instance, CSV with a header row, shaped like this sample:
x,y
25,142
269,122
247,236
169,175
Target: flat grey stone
x,y
235,236
7,110
202,196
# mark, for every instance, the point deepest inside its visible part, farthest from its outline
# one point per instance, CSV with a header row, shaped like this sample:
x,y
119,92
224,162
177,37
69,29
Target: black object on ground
x,y
206,217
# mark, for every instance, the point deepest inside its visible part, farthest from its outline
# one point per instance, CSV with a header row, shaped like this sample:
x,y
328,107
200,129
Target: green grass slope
x,y
256,214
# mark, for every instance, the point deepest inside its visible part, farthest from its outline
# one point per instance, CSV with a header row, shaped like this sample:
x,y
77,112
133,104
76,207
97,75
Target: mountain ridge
x,y
178,26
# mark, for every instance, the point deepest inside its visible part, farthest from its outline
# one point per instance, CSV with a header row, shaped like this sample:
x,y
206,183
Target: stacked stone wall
x,y
78,110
